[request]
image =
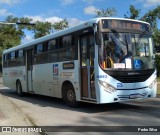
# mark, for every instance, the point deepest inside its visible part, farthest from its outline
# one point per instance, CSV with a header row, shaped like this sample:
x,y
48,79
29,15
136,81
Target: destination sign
x,y
125,24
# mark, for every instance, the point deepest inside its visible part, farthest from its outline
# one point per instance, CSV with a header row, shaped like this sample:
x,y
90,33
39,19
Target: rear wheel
x,y
69,96
19,89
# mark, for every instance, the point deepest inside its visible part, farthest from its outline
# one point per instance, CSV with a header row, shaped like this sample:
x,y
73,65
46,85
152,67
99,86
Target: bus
x,y
103,60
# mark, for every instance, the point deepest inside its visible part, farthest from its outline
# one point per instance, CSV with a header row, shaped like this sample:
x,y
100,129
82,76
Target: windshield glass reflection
x,y
126,51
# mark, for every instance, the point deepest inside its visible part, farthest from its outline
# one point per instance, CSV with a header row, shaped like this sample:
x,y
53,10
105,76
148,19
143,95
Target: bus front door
x,y
87,67
29,66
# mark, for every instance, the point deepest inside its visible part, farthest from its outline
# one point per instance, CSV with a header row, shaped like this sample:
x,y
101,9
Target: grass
x,y
158,86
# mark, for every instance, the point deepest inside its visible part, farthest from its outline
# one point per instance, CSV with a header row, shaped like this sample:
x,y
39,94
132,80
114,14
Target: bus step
x,y
89,99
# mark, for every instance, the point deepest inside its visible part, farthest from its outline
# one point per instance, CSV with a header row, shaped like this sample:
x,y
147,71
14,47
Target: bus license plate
x,y
133,96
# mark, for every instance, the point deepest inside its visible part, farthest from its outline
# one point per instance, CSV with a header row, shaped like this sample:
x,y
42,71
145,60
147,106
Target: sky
x,y
75,11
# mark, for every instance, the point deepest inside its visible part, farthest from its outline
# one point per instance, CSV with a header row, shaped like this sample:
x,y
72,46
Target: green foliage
x,y
134,13
152,16
156,37
61,25
106,13
157,60
42,28
9,35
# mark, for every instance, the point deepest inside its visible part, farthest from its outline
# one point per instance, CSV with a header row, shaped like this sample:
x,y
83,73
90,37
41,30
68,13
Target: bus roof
x,y
64,32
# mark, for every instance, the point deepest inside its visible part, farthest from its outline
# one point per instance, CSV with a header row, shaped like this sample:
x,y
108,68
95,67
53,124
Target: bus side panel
x,y
72,75
43,79
48,79
11,75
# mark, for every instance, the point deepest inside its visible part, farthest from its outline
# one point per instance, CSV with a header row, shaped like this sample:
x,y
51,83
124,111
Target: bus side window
x,y
8,56
20,57
52,45
13,55
39,53
4,57
12,61
39,48
4,60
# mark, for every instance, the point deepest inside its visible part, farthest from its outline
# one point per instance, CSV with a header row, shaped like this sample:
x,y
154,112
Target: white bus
x,y
102,60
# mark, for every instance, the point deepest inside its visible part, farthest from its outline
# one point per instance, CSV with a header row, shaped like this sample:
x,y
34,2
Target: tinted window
x,y
67,40
13,55
39,48
20,53
52,45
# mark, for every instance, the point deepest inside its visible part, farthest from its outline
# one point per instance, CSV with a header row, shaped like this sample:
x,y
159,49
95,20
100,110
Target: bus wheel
x,y
19,89
69,96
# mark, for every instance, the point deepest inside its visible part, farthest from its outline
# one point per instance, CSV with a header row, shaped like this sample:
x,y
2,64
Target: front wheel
x,y
19,89
69,96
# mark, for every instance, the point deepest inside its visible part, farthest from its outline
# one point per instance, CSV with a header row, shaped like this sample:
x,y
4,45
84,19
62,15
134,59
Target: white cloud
x,y
27,38
67,2
74,21
9,2
91,1
4,12
90,10
149,3
71,21
43,19
53,19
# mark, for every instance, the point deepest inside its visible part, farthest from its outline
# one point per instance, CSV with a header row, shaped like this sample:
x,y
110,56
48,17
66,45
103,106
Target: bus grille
x,y
131,76
130,79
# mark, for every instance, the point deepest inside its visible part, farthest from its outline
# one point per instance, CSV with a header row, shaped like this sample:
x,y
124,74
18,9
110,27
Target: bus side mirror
x,y
97,38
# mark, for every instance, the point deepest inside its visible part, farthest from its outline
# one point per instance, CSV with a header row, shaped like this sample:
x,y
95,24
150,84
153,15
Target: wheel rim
x,y
70,95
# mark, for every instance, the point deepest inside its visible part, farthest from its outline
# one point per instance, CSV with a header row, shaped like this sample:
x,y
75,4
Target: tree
x,y
156,37
61,25
10,35
152,17
42,28
106,13
133,14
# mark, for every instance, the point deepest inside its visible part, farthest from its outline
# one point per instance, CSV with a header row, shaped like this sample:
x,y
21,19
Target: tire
x,y
19,89
69,96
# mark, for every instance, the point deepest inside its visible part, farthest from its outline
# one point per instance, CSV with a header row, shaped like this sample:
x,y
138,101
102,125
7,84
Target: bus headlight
x,y
107,87
153,84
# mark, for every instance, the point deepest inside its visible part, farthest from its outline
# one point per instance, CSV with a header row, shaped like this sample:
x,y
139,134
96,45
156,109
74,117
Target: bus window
x,y
13,55
39,48
4,57
20,53
67,40
8,56
52,45
20,58
5,60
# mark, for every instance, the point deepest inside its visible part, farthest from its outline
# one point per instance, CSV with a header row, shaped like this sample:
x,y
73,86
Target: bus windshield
x,y
126,51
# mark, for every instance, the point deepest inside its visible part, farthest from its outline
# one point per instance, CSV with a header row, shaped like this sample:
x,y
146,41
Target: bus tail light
x,y
107,87
153,84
